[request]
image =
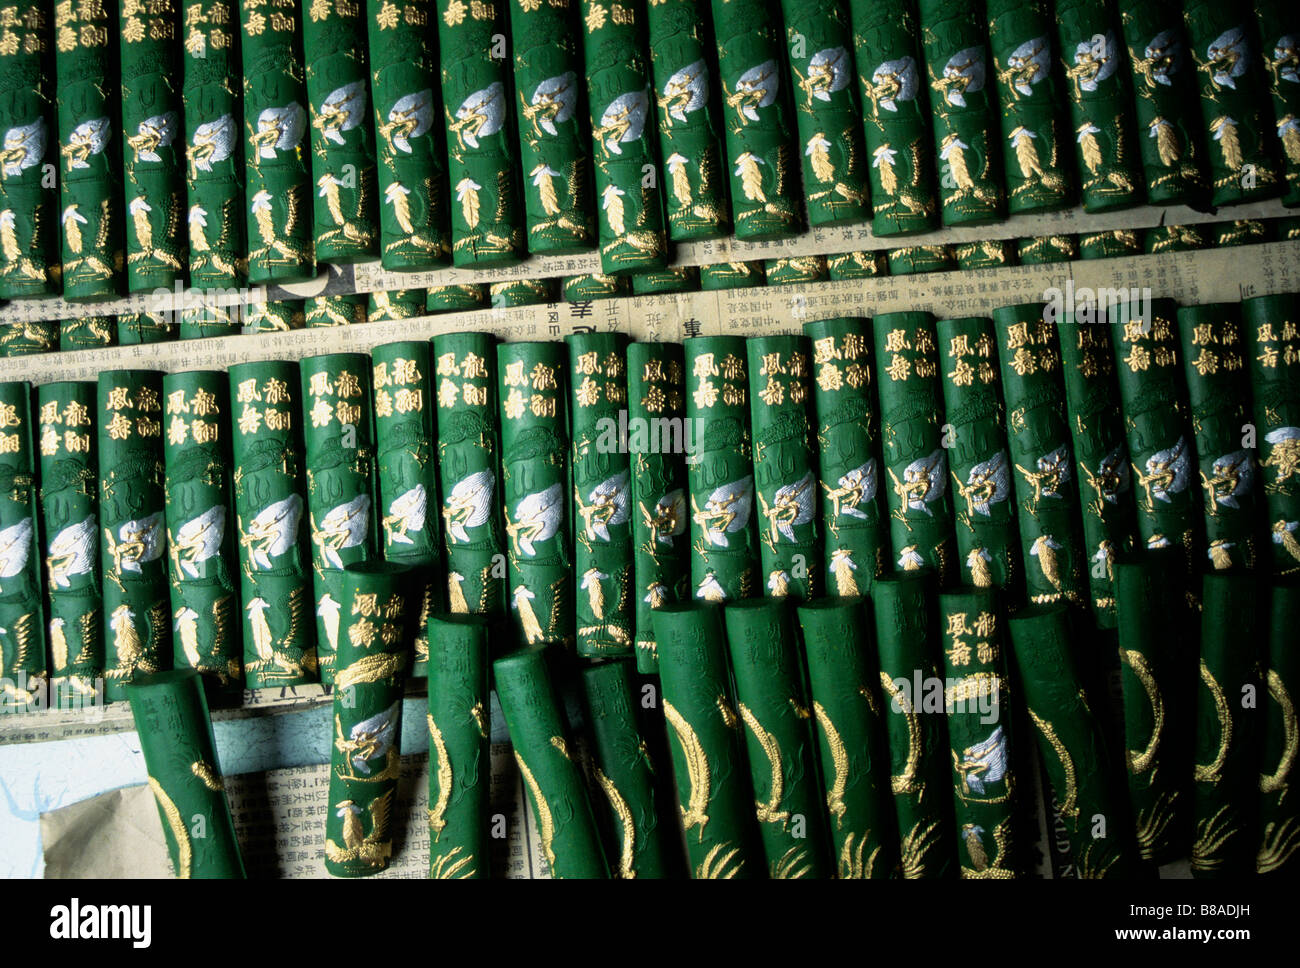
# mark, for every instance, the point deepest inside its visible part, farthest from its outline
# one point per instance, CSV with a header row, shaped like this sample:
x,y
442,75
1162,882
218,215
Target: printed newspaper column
x,y
1278,28
214,160
620,95
205,607
343,168
720,471
896,112
1100,453
90,177
911,410
343,309
1273,349
23,669
1038,438
29,241
408,475
554,139
277,165
1279,815
827,112
732,275
535,490
760,132
848,455
1159,704
907,643
1245,160
136,610
1218,393
1092,54
153,152
983,740
557,793
1153,395
395,304
772,701
373,653
964,103
1035,151
785,465
275,580
87,332
338,430
988,548
623,770
1227,775
683,56
1168,114
414,221
459,753
175,730
602,507
487,217
1070,743
658,440
70,522
279,316
844,678
469,445
713,791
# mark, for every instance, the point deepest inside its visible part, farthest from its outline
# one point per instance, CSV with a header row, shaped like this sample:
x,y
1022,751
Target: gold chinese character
x,y
205,431
587,363
707,395
447,366
347,385
49,442
828,377
899,368
409,401
320,384
514,404
447,393
50,412
177,431
1017,335
588,391
118,399
76,414
76,443
896,341
542,406
384,403
321,413
348,413
475,396
473,367
704,366
963,374
119,428
959,346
